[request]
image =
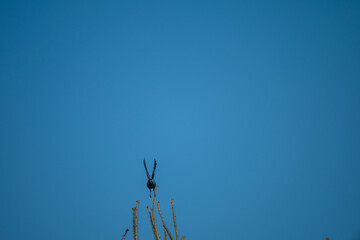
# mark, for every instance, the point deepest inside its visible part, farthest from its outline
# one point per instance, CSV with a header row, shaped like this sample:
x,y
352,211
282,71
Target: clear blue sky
x,y
251,108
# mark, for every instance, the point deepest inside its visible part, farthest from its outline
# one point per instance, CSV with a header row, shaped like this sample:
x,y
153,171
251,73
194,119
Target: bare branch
x,y
163,221
175,225
126,231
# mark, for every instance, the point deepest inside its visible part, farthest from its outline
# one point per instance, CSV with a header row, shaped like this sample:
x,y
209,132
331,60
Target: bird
x,y
151,184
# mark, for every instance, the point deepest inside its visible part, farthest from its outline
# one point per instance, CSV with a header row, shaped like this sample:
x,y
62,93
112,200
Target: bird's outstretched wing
x,y
147,173
153,173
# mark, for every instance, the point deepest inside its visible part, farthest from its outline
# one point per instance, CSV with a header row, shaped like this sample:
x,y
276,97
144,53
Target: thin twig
x,y
167,230
163,221
136,220
155,228
134,224
173,210
151,220
126,231
152,223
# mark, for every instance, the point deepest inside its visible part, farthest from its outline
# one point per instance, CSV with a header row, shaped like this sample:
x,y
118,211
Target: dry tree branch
x,y
152,223
164,225
168,232
152,217
175,225
135,219
134,224
174,218
155,228
126,231
153,220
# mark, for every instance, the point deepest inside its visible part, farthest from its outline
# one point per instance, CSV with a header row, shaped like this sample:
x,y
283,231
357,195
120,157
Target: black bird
x,y
151,184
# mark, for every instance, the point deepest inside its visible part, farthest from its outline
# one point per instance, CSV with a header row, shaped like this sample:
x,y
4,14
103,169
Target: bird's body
x,y
151,184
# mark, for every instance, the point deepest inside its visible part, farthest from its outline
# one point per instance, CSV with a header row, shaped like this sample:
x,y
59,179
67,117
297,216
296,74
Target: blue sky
x,y
251,109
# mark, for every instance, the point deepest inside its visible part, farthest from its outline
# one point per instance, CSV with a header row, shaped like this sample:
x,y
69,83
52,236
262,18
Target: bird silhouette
x,y
151,184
